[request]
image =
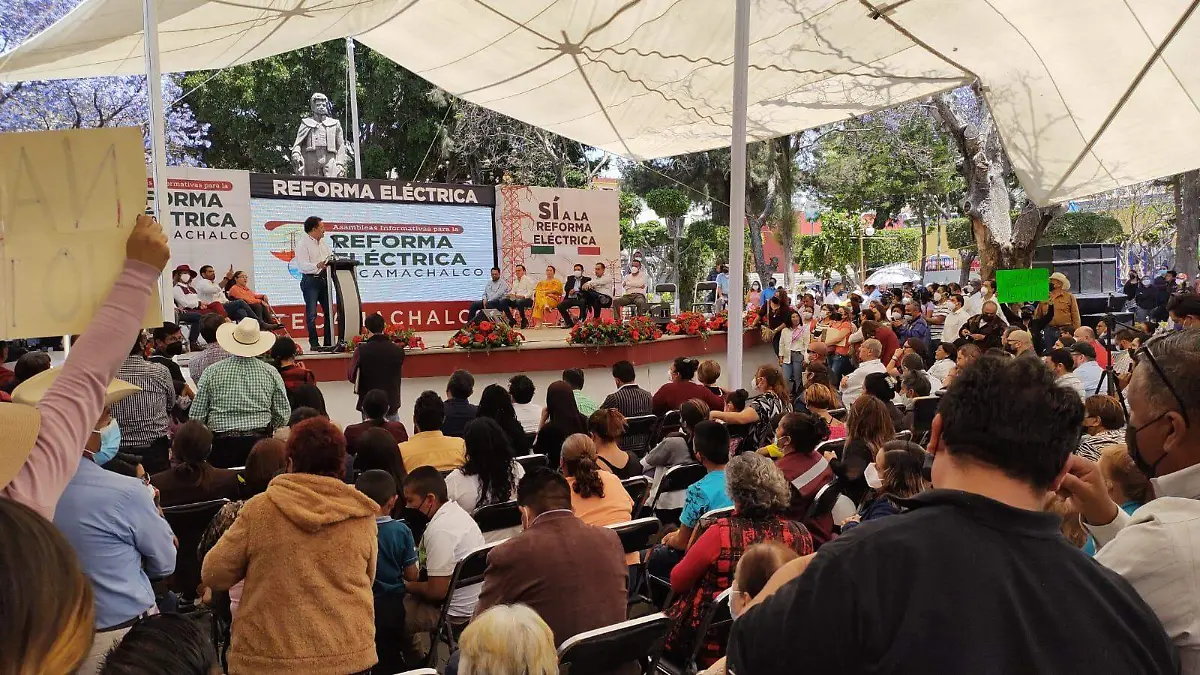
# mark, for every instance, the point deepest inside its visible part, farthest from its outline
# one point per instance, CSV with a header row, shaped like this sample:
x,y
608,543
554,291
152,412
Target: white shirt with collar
x,y
209,291
635,283
451,534
954,323
184,299
855,380
1090,374
602,285
310,252
523,287
1156,549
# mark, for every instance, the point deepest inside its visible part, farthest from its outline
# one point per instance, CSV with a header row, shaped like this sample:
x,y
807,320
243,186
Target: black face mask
x,y
1010,349
1131,446
174,349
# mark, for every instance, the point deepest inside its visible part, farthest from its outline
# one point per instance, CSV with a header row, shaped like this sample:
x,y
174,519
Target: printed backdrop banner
x,y
209,213
424,250
540,226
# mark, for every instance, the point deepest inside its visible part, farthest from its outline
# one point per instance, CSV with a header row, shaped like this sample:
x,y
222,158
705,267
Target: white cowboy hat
x,y
21,421
1062,279
244,338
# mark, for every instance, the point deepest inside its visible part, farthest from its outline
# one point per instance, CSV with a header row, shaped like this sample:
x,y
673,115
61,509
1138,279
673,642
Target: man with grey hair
x,y
868,362
1157,547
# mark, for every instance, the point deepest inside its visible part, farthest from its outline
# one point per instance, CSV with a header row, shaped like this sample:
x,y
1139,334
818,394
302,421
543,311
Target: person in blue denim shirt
x,y
710,447
397,564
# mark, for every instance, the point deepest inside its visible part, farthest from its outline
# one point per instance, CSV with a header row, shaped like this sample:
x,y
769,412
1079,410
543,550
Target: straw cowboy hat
x,y
20,420
244,338
1062,279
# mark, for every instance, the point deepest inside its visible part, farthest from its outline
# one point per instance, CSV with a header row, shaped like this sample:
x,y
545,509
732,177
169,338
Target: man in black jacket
x,y
376,364
976,577
573,296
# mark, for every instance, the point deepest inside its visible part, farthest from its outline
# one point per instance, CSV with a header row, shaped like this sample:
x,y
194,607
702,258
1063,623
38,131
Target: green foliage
x,y
630,206
959,234
1082,227
668,202
642,236
703,244
884,162
835,248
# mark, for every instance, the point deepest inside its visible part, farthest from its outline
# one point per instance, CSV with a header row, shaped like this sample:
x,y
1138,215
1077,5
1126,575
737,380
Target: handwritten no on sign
x,y
68,200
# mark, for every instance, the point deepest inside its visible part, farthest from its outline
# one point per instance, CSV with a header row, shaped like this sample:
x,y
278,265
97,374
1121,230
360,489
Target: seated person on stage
x,y
238,288
574,297
520,297
397,564
546,296
213,292
192,306
598,293
635,291
495,296
450,535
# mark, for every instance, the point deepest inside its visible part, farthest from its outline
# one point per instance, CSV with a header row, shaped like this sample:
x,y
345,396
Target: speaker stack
x,y
1092,271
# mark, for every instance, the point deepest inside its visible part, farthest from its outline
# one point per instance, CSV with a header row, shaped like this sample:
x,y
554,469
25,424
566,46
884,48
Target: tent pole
x,y
353,71
737,191
158,142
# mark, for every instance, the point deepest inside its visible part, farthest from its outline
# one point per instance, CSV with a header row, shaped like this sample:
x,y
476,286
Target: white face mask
x,y
896,316
874,481
937,297
807,315
185,278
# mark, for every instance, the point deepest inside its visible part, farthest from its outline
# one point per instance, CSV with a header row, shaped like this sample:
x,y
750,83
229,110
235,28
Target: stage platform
x,y
544,349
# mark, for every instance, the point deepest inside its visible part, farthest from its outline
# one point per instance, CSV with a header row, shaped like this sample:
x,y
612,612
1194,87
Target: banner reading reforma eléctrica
x,y
208,215
540,226
424,249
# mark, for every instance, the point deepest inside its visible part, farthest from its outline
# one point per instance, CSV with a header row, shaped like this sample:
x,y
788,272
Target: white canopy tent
x,y
1088,95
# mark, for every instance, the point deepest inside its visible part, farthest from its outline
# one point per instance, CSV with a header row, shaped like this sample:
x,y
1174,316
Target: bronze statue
x,y
320,148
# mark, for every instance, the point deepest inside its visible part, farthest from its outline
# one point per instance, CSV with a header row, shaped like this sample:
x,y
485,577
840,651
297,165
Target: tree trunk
x,y
1187,224
1003,243
967,257
924,245
785,165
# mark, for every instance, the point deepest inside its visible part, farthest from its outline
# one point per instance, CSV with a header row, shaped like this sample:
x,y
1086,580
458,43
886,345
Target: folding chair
x,y
703,288
676,479
904,435
420,671
531,436
636,536
638,488
671,308
531,462
834,446
467,572
670,423
838,414
604,650
638,432
188,522
498,516
717,616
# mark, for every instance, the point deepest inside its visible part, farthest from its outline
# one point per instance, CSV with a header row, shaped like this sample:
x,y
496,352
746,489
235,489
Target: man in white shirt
x,y
1157,547
834,296
955,320
1088,370
597,293
312,256
449,537
635,291
207,286
520,296
868,362
974,301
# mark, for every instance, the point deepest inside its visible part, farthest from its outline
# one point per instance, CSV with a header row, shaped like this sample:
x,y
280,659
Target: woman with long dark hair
x,y
193,479
896,474
771,399
606,426
868,428
490,474
560,419
496,403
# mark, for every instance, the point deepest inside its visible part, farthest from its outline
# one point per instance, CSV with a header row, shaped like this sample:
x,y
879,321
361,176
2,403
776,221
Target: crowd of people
x,y
1037,518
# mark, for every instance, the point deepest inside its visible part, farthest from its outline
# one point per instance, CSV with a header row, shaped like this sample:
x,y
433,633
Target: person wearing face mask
x,y
896,474
541,567
573,296
1184,311
837,337
936,315
915,325
1155,548
167,341
987,328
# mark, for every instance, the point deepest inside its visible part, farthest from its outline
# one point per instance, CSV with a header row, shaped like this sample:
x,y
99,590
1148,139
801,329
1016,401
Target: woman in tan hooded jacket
x,y
307,549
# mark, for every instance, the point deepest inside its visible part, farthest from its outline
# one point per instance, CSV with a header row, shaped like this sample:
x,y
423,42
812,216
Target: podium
x,y
347,297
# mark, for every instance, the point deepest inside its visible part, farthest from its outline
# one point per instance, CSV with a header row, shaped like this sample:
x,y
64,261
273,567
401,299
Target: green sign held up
x,y
1031,285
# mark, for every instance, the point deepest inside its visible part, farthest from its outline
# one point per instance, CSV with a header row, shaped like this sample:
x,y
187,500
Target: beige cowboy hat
x,y
244,338
1062,279
20,420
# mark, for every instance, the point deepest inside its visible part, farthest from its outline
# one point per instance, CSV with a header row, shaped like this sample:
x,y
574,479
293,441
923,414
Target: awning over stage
x,y
1082,103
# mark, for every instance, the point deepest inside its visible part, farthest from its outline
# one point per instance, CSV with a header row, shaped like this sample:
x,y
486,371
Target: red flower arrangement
x,y
689,323
606,331
396,332
486,335
721,321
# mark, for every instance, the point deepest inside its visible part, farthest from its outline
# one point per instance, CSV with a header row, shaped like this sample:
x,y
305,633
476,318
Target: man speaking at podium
x,y
312,257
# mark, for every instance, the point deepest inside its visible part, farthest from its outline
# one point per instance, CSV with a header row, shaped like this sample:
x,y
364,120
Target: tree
x,y
630,206
1082,227
1188,223
961,236
991,191
836,247
671,205
87,103
785,149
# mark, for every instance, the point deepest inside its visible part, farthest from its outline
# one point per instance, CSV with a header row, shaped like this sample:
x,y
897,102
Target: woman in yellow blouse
x,y
546,295
1066,309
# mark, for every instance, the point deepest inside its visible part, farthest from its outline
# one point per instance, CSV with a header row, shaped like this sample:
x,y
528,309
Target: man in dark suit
x,y
573,297
571,573
376,364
